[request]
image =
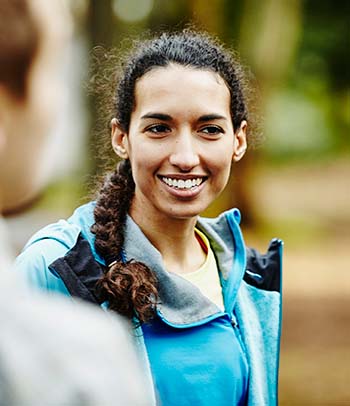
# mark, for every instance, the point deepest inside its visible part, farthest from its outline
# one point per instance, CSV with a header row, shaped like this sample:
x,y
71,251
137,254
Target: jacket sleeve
x,y
33,264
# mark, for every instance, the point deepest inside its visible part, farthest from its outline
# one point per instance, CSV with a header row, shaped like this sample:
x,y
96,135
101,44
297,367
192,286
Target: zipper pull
x,y
234,322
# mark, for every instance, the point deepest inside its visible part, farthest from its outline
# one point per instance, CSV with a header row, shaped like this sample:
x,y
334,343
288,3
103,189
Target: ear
x,y
6,106
240,143
119,139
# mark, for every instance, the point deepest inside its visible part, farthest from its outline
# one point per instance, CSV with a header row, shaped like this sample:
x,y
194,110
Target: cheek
x,y
225,170
146,156
47,82
220,158
142,166
45,112
221,169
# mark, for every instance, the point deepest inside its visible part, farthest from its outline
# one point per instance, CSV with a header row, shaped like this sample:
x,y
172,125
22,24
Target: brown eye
x,y
158,129
212,130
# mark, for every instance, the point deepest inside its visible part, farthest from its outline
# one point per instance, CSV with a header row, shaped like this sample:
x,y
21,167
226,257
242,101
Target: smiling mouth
x,y
182,184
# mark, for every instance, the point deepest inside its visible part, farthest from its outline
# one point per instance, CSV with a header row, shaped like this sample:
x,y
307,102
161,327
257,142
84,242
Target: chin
x,y
186,213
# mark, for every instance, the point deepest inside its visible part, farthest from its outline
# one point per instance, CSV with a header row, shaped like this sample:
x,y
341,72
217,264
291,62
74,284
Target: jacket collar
x,y
227,242
181,304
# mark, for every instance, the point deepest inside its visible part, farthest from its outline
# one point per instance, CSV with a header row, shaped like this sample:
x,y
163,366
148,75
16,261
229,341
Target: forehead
x,y
181,88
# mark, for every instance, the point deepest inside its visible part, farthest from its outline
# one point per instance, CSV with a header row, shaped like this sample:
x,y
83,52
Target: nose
x,y
184,154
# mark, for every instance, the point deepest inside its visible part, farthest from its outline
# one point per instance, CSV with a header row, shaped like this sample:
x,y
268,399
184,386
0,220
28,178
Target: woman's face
x,y
180,142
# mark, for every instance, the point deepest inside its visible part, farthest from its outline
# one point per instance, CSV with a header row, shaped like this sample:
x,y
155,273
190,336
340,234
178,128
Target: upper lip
x,y
183,177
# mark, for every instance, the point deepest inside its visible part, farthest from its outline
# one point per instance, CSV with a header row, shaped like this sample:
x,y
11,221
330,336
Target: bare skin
x,y
177,243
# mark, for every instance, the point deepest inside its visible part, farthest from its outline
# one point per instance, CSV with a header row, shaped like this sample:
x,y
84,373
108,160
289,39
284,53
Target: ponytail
x,y
131,287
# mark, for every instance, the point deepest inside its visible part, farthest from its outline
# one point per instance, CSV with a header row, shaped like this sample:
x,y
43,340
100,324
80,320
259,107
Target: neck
x,y
176,241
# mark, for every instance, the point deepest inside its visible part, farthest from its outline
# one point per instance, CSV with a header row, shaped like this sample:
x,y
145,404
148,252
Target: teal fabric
x,y
202,365
257,311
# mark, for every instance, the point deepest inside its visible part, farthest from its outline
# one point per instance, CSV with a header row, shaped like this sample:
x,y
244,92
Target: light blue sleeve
x,y
33,265
47,245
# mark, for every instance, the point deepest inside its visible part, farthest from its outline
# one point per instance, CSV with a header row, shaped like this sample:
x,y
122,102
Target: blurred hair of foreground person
x,y
52,351
206,308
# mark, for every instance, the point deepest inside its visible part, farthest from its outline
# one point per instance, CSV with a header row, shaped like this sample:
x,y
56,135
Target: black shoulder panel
x,y
264,270
79,271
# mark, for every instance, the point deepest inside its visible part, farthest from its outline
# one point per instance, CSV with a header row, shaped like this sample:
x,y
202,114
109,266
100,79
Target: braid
x,y
110,212
130,288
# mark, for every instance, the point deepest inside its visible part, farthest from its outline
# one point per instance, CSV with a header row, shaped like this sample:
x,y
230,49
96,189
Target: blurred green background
x,y
295,185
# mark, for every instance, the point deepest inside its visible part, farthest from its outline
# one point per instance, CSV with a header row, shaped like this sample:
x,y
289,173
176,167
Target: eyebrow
x,y
167,117
158,116
211,117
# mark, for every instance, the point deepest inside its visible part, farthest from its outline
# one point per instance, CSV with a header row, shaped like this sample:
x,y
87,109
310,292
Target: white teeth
x,y
188,183
183,184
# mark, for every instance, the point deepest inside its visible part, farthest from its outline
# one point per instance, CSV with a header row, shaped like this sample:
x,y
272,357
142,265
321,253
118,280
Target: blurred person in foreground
x,y
52,351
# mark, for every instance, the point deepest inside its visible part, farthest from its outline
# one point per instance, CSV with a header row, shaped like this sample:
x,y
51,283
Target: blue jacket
x,y
61,257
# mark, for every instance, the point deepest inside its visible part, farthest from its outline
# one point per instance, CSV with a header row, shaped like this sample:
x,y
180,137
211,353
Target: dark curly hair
x,y
131,288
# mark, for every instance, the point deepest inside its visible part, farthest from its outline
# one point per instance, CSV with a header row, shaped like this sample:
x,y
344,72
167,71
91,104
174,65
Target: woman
x,y
206,308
